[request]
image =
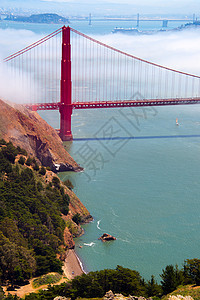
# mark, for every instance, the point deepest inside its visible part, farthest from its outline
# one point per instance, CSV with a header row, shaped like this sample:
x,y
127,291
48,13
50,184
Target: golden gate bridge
x,y
69,70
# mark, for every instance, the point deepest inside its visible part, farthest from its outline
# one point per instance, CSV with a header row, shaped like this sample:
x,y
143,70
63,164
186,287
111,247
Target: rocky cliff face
x,y
28,130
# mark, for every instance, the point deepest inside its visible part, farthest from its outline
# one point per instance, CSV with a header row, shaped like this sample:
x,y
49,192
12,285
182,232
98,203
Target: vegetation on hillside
x,y
174,281
186,290
31,227
46,279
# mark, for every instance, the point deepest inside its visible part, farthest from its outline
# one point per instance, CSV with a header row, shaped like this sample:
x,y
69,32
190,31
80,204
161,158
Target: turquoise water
x,y
144,191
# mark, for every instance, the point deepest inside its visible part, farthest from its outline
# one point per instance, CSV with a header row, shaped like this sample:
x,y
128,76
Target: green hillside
x,y
31,227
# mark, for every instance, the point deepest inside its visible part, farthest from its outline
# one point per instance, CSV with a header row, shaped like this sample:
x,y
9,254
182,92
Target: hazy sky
x,y
105,7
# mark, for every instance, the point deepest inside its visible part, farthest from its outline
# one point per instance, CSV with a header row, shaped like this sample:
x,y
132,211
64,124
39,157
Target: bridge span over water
x,y
69,70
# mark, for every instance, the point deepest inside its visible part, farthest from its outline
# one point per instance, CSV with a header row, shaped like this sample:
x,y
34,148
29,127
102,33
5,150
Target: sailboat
x,y
177,122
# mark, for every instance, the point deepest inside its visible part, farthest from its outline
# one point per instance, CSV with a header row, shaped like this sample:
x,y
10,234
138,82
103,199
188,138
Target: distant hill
x,y
40,18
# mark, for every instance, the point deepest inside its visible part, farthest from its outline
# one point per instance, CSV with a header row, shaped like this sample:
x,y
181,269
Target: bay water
x,y
144,187
144,191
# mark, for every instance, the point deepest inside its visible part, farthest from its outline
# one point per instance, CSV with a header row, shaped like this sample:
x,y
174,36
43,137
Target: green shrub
x,y
68,184
21,160
76,218
29,161
46,279
2,142
42,171
64,210
9,152
192,271
21,151
171,278
36,167
56,182
39,186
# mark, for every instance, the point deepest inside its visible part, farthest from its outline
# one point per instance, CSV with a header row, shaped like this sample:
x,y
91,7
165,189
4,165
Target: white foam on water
x,y
80,263
113,212
98,222
90,244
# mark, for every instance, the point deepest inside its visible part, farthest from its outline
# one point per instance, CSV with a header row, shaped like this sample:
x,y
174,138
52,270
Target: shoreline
x,y
72,265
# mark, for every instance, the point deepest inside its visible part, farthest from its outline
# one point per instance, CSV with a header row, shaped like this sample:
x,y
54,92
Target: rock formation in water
x,y
107,237
28,130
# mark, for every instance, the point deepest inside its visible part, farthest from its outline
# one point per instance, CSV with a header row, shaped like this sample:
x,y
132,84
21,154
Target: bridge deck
x,y
114,104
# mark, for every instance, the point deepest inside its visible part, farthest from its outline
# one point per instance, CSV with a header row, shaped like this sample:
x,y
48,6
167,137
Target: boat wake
x,y
113,212
125,241
92,244
98,222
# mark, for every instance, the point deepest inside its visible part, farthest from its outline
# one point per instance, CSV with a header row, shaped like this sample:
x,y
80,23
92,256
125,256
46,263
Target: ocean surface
x,y
144,187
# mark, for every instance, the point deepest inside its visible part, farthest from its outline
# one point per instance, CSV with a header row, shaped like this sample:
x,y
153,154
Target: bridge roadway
x,y
114,104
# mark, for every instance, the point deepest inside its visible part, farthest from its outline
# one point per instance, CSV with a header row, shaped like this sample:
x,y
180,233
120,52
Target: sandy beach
x,y
72,267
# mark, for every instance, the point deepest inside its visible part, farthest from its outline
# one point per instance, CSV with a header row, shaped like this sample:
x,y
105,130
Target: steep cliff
x,y
29,131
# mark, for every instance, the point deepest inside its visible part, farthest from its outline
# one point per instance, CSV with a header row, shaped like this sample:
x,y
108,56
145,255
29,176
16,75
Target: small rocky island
x,y
39,18
107,237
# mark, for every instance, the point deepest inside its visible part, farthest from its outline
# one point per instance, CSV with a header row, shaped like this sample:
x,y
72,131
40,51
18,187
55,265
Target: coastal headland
x,y
38,152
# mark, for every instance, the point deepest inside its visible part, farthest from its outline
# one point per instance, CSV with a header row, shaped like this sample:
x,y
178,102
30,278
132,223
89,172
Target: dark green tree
x,y
1,293
2,142
36,167
9,152
29,161
42,171
21,160
171,278
153,288
76,218
192,271
68,184
56,182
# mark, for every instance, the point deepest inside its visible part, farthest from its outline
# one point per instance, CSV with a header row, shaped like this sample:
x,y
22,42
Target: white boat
x,y
131,30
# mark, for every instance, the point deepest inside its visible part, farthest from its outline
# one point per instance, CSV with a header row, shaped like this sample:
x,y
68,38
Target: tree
x,y
171,278
1,293
5,165
17,263
56,182
21,151
29,161
68,184
9,152
2,142
192,271
21,160
39,186
76,218
153,289
36,167
42,171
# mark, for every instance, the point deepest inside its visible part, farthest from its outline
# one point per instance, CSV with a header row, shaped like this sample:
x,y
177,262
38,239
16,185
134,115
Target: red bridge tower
x,y
66,87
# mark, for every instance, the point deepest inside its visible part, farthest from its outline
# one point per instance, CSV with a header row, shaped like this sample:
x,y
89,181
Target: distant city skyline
x,y
106,7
